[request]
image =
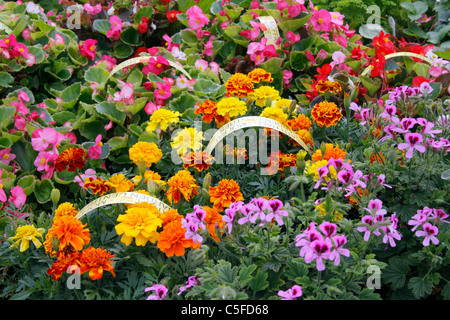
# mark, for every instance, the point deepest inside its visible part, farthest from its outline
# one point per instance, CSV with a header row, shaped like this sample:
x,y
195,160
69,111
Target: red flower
x,y
142,27
377,64
383,44
417,81
172,15
419,50
72,158
324,71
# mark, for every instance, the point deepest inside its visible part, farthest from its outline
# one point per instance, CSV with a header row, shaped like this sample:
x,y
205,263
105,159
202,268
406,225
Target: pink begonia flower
x,y
95,151
214,66
292,38
291,294
156,65
8,41
208,48
3,197
294,10
254,31
310,57
196,18
201,64
125,94
45,160
150,107
93,9
412,143
108,126
18,197
337,18
287,75
20,106
6,156
321,20
429,232
116,28
45,138
162,91
82,177
160,292
87,48
338,58
182,82
71,137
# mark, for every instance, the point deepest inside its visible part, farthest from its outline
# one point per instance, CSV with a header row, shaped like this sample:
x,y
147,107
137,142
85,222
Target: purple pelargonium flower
x,y
291,294
160,292
413,141
275,211
429,232
321,249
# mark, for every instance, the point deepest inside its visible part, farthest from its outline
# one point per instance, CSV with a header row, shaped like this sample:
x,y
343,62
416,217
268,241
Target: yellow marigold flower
x,y
146,152
274,113
153,176
232,107
312,167
120,183
282,103
337,216
186,140
140,224
261,94
65,209
224,194
162,118
326,114
181,184
24,235
239,85
257,75
330,152
305,136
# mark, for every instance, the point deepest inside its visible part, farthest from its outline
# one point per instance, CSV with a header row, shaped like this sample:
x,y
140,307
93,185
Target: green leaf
x,y
101,25
396,272
245,273
5,79
421,288
259,281
25,155
130,36
190,37
118,142
368,294
6,114
122,50
109,110
27,183
143,12
183,102
70,95
96,74
371,84
298,60
43,189
294,24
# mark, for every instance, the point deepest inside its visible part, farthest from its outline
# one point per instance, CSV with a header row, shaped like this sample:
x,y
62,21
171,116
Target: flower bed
x,y
223,150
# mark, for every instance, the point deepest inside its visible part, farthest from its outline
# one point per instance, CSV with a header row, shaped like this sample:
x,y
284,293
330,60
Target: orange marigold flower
x,y
213,219
181,184
96,260
257,75
67,232
301,122
330,152
60,266
172,240
145,152
330,86
224,194
305,136
239,85
326,114
199,160
169,216
209,110
74,158
65,209
97,185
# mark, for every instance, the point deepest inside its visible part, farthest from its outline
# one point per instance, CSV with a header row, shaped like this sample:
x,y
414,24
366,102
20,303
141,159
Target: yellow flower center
x,y
6,156
100,144
320,20
43,161
159,65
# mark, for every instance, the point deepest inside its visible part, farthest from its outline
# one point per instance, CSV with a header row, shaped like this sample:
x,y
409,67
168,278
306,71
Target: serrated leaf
x,y
259,282
245,273
421,288
396,272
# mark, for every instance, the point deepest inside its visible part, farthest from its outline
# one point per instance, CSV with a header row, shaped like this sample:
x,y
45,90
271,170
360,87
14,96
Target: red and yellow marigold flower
x,y
97,185
181,184
323,86
209,110
326,114
71,158
95,261
258,74
64,261
239,85
224,194
199,160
